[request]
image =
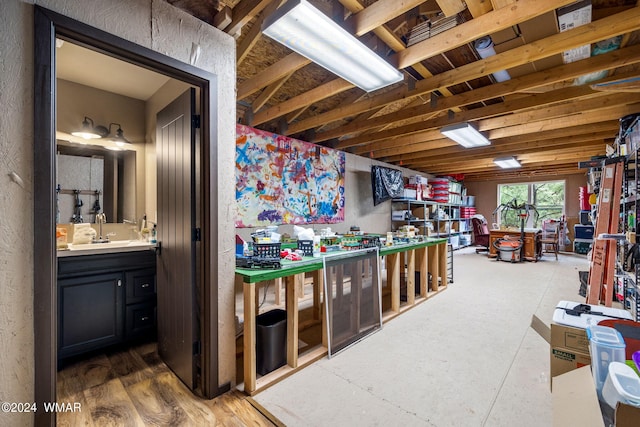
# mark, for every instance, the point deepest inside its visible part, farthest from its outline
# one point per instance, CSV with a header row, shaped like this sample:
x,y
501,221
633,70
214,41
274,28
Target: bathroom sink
x,y
106,247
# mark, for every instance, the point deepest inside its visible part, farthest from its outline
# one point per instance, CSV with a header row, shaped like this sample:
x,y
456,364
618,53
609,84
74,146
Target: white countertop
x,y
105,248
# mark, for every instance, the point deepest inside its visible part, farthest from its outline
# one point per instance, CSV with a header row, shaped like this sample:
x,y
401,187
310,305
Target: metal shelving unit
x,y
631,189
452,226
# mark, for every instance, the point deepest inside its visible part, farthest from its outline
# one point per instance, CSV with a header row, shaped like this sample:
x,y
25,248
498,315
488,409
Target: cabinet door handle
x,y
145,285
145,318
119,282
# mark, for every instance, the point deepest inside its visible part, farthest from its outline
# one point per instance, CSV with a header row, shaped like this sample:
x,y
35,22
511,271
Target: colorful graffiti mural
x,y
281,180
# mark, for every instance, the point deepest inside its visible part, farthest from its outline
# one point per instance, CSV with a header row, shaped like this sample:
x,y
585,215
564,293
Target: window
x,y
547,197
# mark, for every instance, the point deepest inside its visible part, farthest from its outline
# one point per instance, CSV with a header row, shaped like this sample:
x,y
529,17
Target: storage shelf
x,y
451,209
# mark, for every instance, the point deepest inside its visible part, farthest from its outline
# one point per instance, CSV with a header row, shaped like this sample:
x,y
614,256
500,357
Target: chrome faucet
x,y
101,218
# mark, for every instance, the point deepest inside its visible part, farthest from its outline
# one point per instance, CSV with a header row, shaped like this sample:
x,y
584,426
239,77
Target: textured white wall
x,y
16,208
150,23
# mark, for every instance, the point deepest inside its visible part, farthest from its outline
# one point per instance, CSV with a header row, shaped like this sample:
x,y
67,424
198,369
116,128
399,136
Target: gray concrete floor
x,y
466,357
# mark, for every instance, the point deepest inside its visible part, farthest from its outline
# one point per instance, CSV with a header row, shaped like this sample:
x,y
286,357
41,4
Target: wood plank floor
x,y
133,387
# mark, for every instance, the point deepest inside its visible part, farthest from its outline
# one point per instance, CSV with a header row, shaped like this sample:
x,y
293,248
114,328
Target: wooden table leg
x,y
249,338
318,277
292,320
421,266
411,277
393,277
277,287
443,270
433,266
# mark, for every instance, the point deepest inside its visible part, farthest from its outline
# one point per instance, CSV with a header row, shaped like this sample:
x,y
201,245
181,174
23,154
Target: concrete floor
x,y
466,357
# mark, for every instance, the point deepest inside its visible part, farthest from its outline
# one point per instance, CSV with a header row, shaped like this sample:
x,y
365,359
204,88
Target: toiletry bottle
x,y
154,234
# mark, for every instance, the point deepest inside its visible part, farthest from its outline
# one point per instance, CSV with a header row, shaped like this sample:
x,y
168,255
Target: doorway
x,y
50,25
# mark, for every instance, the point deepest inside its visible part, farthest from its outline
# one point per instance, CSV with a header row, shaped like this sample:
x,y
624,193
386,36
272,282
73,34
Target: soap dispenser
x,y
154,234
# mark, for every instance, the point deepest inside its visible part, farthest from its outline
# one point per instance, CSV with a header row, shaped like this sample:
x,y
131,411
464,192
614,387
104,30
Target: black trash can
x,y
271,341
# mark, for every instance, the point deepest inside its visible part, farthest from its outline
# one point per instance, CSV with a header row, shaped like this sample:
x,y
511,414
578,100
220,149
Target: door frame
x,y
47,26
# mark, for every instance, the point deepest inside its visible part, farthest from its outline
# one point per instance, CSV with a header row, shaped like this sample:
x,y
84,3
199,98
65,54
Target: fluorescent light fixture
x,y
507,162
465,134
484,47
307,31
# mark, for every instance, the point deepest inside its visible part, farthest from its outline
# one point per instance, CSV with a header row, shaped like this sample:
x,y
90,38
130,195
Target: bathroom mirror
x,y
91,180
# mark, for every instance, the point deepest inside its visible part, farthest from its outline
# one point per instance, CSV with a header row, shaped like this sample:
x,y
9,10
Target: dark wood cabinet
x,y
532,244
105,299
89,313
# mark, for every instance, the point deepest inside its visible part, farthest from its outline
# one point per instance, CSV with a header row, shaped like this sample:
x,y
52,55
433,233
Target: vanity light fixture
x,y
465,134
119,139
507,162
88,130
304,29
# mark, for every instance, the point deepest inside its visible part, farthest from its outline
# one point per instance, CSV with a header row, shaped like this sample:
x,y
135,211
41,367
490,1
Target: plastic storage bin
x,y
583,231
271,341
622,385
606,345
582,246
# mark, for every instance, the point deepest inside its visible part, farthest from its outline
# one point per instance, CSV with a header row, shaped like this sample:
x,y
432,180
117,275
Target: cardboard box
x,y
575,403
568,337
574,400
564,360
568,347
421,212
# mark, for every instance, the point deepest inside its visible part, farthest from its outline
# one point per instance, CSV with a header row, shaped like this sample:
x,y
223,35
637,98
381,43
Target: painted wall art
x,y
281,180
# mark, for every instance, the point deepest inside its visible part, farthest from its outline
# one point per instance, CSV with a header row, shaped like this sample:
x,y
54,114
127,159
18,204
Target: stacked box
x,y
440,187
583,231
467,212
582,246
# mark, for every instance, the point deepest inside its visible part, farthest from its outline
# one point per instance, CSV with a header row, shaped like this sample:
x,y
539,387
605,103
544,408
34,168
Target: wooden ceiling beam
x,y
268,92
451,7
479,7
251,38
580,106
604,114
432,140
469,31
244,12
484,163
519,153
309,97
377,14
561,157
582,99
473,115
540,171
555,44
503,148
576,69
609,60
271,74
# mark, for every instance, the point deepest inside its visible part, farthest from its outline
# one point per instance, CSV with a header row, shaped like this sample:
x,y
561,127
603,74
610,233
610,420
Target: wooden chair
x,y
480,233
550,240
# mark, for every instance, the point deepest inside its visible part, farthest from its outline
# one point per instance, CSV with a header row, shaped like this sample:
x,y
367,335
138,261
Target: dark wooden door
x,y
176,280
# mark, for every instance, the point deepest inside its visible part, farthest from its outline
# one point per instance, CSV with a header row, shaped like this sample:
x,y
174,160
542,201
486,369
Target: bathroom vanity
x,y
106,296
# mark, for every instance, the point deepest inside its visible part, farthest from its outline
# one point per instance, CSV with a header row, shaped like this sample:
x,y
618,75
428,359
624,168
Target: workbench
x,y
429,256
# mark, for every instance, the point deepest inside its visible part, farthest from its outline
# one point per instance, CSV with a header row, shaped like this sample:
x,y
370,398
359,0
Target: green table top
x,y
290,268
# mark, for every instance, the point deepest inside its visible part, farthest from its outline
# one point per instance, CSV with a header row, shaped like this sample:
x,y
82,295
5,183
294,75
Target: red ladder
x,y
603,264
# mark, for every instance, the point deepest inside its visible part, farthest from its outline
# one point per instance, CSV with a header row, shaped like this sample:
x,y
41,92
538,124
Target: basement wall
x,y
156,25
486,193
